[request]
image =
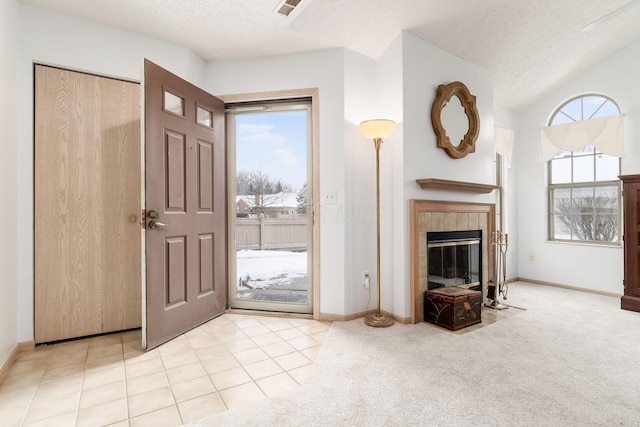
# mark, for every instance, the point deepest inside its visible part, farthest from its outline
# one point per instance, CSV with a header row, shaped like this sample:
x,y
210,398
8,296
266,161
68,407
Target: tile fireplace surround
x,y
433,215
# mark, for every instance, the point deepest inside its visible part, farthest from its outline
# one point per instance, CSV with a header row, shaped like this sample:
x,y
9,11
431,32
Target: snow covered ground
x,y
282,270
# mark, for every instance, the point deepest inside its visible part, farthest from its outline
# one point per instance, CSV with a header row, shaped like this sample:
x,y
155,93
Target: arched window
x,y
584,190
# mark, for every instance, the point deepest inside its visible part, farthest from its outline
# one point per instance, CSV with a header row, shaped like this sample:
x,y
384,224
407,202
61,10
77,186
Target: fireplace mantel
x,y
443,184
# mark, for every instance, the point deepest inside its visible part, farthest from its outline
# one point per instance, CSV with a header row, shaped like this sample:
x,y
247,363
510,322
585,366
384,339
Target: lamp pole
x,y
378,142
378,319
376,130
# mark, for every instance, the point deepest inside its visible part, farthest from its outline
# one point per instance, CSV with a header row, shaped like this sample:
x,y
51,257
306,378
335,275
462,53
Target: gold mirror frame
x,y
468,143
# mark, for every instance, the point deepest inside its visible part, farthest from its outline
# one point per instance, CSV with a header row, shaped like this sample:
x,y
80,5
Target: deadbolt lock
x,y
153,214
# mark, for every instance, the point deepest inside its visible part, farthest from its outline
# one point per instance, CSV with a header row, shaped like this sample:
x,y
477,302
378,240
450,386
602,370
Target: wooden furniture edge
x,y
630,302
631,204
444,184
632,177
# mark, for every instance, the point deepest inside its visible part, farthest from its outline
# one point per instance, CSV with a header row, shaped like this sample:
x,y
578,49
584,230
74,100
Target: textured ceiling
x,y
529,46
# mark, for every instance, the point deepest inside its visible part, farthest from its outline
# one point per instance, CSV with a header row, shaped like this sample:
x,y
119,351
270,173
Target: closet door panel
x,y
86,187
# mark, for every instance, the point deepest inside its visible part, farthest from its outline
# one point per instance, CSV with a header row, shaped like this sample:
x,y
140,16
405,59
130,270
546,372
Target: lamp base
x,y
496,305
381,321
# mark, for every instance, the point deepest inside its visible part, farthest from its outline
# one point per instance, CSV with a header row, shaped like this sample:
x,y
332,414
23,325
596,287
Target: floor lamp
x,y
377,130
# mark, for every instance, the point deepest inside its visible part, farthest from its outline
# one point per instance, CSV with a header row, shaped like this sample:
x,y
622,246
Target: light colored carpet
x,y
570,359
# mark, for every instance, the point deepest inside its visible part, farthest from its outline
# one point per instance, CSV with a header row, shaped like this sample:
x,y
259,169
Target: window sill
x,y
590,244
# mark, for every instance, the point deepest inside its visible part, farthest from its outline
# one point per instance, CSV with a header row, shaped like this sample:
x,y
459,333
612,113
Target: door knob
x,y
153,224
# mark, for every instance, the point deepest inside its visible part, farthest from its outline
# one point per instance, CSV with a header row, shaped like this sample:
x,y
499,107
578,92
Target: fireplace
x,y
431,218
454,258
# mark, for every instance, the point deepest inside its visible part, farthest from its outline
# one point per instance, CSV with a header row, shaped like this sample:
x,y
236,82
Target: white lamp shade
x,y
378,128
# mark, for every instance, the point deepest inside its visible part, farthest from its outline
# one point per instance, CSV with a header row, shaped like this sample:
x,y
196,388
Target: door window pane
x,y
173,103
205,117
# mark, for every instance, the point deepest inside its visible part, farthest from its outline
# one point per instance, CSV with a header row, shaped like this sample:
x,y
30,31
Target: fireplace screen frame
x,y
454,243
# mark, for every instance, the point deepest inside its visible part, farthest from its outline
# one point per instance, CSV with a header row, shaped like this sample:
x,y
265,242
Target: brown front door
x,y
185,198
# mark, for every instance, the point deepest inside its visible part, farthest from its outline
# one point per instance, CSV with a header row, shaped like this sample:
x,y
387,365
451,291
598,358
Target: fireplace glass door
x,y
454,259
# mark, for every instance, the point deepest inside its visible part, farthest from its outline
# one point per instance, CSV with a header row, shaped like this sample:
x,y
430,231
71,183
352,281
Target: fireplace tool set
x,y
500,244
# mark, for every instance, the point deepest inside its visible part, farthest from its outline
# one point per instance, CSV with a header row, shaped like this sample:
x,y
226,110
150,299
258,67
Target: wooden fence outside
x,y
271,233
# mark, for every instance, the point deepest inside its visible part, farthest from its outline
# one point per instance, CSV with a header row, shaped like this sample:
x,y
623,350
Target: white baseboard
x,y
19,348
573,288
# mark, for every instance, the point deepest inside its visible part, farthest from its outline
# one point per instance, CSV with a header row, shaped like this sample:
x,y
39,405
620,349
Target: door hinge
x,y
143,219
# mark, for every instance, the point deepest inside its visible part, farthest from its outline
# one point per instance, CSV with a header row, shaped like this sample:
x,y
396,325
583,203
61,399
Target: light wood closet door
x,y
87,205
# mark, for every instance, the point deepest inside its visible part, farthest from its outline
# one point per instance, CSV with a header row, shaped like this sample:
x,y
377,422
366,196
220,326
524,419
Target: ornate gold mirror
x,y
454,117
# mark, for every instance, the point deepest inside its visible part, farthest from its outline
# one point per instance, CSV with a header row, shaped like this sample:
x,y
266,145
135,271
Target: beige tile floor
x,y
231,361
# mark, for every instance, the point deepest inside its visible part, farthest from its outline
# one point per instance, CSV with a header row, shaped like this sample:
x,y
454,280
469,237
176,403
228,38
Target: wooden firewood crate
x,y
452,307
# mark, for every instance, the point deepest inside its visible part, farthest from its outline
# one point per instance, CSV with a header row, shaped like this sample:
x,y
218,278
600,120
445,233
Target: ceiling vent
x,y
286,7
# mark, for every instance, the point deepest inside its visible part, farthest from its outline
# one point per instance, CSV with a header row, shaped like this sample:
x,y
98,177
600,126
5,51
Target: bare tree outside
x,y
243,180
592,218
260,185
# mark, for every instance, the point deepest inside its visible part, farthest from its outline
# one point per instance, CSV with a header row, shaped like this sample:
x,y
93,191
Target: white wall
x,y
65,41
9,191
389,89
424,68
590,267
324,70
360,188
509,119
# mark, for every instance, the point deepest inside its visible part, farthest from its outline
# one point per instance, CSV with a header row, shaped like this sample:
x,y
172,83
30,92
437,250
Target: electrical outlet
x,y
366,279
532,256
